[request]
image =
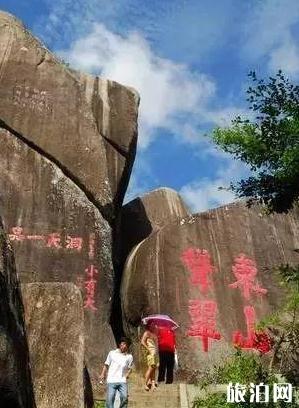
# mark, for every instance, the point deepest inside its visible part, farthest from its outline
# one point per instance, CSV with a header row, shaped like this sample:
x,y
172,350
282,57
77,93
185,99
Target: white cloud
x,y
204,194
270,33
171,94
224,116
285,57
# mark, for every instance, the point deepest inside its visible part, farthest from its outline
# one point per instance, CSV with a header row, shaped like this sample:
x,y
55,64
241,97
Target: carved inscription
x,y
32,98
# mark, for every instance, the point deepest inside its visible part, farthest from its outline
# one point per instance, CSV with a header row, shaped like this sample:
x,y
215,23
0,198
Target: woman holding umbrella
x,y
166,344
150,341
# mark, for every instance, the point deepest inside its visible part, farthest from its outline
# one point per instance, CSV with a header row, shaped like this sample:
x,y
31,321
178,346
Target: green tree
x,y
284,326
269,144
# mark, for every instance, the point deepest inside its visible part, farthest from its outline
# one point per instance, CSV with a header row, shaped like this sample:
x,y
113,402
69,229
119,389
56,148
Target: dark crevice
x,y
88,394
118,148
117,244
107,210
125,177
42,59
16,386
8,397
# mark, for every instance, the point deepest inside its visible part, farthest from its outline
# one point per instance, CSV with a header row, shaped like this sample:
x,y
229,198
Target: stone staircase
x,y
165,396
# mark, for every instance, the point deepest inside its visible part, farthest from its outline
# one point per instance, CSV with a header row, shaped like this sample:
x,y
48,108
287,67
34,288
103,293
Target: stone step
x,y
158,404
155,403
159,390
165,396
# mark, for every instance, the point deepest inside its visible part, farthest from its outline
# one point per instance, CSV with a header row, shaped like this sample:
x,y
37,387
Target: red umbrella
x,y
161,321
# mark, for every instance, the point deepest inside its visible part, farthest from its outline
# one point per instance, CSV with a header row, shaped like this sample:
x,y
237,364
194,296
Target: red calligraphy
x,y
36,237
54,240
245,271
246,342
90,287
17,234
258,340
198,261
74,243
203,317
89,304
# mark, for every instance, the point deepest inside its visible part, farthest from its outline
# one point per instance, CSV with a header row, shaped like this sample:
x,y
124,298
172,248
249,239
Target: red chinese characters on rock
x,y
246,342
202,312
257,340
90,287
245,271
17,234
57,240
54,240
198,261
51,240
203,317
35,237
74,243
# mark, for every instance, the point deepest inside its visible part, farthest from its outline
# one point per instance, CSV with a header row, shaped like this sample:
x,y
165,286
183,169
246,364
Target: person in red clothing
x,y
166,344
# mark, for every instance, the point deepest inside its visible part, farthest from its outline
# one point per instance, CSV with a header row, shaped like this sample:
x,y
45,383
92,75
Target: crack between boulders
x,y
106,211
119,150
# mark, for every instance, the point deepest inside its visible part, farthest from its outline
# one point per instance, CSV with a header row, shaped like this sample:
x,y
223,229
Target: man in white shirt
x,y
118,365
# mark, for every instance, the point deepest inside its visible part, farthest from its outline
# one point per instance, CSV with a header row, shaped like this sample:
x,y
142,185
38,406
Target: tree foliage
x,y
284,326
245,368
269,144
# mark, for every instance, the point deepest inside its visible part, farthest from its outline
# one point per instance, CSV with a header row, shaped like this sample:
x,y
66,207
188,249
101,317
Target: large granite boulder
x,y
148,213
58,236
86,125
15,377
137,220
212,272
55,329
67,145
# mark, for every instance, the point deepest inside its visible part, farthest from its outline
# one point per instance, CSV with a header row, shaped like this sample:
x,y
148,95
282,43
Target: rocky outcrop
x,y
55,327
15,377
86,125
212,272
58,236
137,220
148,213
67,145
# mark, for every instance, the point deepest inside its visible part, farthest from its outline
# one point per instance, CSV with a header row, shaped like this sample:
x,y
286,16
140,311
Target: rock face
x,y
15,377
55,326
212,273
86,125
138,219
148,213
58,236
67,145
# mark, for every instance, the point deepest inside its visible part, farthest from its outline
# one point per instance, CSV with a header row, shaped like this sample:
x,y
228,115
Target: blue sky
x,y
189,61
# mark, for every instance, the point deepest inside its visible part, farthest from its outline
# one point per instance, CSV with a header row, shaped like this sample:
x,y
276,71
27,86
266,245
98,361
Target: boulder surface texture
x,y
148,213
67,146
55,326
213,274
